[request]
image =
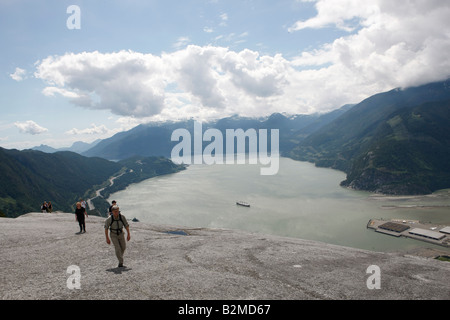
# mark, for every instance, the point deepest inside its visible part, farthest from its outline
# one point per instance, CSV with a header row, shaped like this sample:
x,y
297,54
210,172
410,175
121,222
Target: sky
x,y
85,70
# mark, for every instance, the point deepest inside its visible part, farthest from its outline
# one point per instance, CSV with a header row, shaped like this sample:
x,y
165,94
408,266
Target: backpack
x,y
119,231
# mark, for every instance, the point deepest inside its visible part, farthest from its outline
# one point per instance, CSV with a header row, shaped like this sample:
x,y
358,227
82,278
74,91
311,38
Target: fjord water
x,y
301,201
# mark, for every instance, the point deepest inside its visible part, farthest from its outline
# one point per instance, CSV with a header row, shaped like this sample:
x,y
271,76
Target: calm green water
x,y
301,201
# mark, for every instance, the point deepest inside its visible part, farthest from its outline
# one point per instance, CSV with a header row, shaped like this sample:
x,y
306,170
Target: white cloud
x,y
126,82
395,45
50,91
223,19
341,14
30,127
181,42
93,130
210,80
18,75
387,46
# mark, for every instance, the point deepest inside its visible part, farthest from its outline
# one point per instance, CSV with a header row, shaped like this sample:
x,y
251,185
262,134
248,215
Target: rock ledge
x,y
37,249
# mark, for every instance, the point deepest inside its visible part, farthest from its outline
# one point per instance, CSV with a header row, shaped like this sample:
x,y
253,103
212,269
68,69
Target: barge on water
x,y
243,204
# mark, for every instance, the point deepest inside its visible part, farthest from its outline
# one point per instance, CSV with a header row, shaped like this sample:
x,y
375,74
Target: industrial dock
x,y
432,233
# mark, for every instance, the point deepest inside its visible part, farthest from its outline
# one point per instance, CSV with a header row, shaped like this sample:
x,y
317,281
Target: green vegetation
x,y
134,170
408,154
392,143
31,177
443,258
28,178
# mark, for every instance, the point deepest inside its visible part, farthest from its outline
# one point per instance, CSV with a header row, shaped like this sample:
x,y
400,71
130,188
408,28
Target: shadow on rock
x,y
119,270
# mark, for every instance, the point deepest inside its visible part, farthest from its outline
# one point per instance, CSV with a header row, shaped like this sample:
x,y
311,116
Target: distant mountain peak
x,y
78,147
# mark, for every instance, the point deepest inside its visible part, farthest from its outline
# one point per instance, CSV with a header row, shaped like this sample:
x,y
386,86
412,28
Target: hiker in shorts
x,y
115,224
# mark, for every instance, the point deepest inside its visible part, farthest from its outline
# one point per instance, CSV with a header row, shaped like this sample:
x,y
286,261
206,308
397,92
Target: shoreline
x,y
262,213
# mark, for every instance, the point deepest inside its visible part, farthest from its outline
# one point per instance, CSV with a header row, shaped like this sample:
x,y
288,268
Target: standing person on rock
x,y
80,212
115,224
113,203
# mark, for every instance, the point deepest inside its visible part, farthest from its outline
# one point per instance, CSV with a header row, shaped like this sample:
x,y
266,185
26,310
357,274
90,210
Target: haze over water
x,y
301,201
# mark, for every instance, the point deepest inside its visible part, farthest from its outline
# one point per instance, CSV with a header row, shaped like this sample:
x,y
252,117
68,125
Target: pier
x,y
432,233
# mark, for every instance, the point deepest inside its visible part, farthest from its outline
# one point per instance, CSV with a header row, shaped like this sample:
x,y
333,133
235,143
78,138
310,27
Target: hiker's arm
x,y
128,232
107,237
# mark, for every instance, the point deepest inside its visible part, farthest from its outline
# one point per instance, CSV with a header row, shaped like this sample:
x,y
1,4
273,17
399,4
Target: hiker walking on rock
x,y
80,212
115,224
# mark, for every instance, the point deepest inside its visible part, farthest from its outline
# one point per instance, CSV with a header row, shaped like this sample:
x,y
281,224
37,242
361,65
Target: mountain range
x,y
395,142
78,147
154,139
29,177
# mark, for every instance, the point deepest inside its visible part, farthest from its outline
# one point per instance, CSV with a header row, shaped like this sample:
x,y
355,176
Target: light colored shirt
x,y
116,223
